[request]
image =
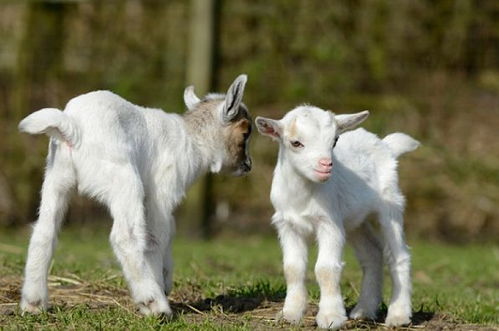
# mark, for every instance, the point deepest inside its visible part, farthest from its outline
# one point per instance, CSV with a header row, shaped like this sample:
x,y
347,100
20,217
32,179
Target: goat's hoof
x,y
361,313
330,320
155,307
398,315
33,307
397,320
290,316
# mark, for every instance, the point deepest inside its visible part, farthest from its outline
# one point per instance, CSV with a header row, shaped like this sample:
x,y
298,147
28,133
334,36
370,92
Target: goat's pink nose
x,y
326,162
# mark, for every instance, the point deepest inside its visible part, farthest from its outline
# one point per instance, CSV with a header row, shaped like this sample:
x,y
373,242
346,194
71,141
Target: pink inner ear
x,y
270,130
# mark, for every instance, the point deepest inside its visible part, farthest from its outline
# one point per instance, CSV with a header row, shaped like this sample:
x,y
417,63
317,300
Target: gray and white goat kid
x,y
138,162
316,191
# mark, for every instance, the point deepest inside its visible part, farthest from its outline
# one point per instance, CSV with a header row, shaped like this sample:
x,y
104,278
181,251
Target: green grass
x,y
235,284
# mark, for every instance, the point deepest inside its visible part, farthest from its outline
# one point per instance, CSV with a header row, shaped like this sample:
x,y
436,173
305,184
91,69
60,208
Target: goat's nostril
x,y
326,162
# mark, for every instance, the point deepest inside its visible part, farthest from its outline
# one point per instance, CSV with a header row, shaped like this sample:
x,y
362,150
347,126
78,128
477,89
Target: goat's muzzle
x,y
246,166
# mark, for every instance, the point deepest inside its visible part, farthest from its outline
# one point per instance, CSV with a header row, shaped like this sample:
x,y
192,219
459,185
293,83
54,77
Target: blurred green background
x,y
427,68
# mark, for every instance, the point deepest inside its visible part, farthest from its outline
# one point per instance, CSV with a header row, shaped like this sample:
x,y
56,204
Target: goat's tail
x,y
53,123
400,143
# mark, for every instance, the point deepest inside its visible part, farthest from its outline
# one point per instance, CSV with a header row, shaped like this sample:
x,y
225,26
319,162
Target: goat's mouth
x,y
245,167
242,170
323,175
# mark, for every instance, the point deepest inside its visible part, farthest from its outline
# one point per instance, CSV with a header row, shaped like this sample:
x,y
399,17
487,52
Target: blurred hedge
x,y
428,68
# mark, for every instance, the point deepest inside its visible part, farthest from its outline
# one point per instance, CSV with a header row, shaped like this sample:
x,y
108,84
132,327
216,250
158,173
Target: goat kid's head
x,y
230,125
307,136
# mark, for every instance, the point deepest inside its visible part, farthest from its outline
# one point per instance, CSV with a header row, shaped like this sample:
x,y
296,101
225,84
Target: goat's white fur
x,y
137,161
363,181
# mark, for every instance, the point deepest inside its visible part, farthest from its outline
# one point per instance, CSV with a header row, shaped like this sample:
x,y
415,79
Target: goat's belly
x,y
99,173
353,221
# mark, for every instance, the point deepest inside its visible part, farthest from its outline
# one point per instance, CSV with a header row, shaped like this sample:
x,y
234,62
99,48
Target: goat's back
x,y
112,125
370,160
106,117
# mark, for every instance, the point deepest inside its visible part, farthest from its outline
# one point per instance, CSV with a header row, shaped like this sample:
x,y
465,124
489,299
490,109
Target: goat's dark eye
x,y
335,141
297,144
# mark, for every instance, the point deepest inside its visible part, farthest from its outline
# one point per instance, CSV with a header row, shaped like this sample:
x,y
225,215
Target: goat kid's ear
x,y
268,127
233,98
190,98
349,121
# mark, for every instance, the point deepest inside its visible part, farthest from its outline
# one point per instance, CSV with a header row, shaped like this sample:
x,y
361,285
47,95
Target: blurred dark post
x,y
200,73
40,55
39,67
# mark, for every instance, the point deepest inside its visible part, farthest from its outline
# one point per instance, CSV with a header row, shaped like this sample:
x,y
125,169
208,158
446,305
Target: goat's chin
x,y
317,177
312,177
234,172
320,180
240,172
321,177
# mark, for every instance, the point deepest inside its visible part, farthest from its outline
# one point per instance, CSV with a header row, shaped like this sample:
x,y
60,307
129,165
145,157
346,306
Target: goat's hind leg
x,y
135,248
162,227
399,260
59,181
168,266
369,252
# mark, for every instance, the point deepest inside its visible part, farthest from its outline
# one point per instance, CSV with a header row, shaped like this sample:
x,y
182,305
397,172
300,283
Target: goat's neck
x,y
177,167
204,151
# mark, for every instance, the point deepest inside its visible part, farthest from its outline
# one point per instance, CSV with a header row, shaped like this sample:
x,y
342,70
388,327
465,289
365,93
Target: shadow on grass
x,y
419,317
263,295
262,298
238,300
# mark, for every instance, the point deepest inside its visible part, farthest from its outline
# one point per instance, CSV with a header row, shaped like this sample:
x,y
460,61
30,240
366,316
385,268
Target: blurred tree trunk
x,y
454,41
201,70
39,66
40,55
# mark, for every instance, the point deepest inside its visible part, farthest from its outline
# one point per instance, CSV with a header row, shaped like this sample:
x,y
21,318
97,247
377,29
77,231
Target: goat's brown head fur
x,y
228,122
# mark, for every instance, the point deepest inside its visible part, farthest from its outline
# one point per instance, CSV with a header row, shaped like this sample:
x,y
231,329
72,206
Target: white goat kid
x,y
316,191
139,162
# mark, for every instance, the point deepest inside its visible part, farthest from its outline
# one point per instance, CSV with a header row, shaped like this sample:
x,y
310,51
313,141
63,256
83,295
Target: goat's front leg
x,y
294,249
328,268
